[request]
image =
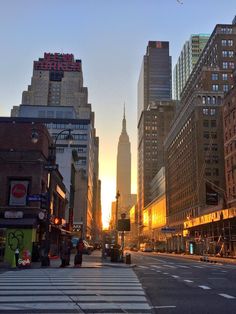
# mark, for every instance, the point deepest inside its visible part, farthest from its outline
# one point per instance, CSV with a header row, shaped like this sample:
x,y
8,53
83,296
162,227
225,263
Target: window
x,y
212,112
205,111
224,76
205,123
203,100
225,88
231,65
224,53
214,76
223,42
213,100
206,134
215,87
213,123
230,42
230,53
225,65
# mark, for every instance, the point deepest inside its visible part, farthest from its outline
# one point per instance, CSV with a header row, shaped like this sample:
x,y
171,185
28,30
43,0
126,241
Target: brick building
x,y
27,172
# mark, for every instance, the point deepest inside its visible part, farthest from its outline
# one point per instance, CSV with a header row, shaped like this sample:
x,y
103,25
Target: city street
x,y
178,285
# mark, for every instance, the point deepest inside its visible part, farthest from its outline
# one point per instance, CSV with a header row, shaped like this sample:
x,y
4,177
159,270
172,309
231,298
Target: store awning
x,y
23,222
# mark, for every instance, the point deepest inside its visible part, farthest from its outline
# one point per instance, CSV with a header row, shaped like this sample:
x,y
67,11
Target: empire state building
x,y
123,175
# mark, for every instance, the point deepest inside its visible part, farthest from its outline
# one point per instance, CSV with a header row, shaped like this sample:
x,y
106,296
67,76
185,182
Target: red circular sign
x,y
18,190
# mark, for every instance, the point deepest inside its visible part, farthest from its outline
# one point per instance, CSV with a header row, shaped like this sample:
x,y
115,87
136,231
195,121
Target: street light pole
x,y
116,221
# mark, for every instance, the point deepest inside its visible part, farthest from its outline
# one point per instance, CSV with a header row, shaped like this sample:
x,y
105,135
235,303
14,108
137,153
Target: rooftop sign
x,y
58,62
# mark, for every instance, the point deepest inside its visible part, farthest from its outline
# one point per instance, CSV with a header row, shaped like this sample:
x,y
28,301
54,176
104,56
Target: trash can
x,y
115,254
127,258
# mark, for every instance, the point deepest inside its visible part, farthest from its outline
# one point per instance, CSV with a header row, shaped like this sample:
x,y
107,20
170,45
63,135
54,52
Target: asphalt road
x,y
177,285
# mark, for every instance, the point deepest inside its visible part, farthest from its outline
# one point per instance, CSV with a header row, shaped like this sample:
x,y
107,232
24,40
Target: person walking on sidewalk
x,y
78,256
63,253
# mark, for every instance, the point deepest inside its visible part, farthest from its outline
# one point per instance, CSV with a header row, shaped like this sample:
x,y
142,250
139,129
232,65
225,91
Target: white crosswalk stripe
x,y
96,290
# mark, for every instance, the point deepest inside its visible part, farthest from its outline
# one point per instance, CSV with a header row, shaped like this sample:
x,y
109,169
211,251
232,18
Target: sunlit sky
x,y
110,37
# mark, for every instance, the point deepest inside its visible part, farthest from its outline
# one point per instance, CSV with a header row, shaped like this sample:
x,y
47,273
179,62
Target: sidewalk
x,y
205,258
89,261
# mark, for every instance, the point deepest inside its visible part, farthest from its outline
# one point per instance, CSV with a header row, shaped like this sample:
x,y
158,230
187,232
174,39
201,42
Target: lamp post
x,y
50,167
116,221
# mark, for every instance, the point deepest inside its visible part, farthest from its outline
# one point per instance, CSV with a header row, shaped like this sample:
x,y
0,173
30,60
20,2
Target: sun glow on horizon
x,y
108,196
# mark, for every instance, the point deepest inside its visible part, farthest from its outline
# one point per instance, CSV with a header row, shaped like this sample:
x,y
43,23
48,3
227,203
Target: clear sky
x,y
110,37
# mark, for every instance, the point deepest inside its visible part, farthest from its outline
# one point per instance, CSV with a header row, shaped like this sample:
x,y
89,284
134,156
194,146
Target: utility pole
x,y
116,221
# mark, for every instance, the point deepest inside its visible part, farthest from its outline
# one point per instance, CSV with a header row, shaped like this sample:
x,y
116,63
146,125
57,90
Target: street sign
x,y
167,230
34,197
50,167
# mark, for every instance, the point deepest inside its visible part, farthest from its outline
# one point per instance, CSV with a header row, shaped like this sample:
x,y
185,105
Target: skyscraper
x,y
155,111
123,171
187,60
155,75
57,80
58,98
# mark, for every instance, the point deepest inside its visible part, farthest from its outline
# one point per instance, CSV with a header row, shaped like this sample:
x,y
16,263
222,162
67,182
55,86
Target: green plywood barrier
x,y
21,239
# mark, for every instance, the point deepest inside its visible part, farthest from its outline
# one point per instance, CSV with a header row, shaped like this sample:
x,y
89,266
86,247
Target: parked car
x,y
146,247
87,247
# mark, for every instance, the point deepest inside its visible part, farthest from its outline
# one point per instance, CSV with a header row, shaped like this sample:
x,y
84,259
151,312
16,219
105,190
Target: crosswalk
x,y
91,290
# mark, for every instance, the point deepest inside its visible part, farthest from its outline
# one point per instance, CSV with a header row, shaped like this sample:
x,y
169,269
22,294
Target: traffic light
x,y
45,200
57,221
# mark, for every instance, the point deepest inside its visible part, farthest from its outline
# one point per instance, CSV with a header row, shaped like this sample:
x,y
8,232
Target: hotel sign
x,y
58,62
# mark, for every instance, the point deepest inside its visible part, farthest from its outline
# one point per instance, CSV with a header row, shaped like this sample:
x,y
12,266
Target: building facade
x,y
154,125
194,147
81,154
229,116
57,80
32,193
188,58
57,93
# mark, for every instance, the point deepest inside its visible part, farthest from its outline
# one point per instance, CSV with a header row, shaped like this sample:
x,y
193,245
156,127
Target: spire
x,y
124,122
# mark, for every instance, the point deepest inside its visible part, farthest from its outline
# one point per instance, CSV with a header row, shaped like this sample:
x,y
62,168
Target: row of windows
x,y
210,147
227,53
211,100
60,126
208,111
209,123
227,42
215,87
226,30
210,135
228,65
216,76
82,137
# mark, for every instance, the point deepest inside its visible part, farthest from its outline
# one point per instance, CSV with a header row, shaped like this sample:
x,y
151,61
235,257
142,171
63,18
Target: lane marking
x,y
187,280
198,266
170,266
204,287
227,296
166,273
162,306
156,266
182,266
142,267
174,276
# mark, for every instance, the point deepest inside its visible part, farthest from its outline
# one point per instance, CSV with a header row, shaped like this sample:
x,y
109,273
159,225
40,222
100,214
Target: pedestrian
x,y
63,253
69,248
17,253
78,256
